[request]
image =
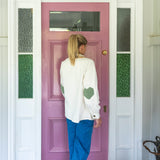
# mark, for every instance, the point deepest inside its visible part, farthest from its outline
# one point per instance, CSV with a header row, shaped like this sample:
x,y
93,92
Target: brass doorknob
x,y
104,52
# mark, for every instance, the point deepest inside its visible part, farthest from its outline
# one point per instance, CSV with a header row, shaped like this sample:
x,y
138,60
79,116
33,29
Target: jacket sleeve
x,y
90,91
61,81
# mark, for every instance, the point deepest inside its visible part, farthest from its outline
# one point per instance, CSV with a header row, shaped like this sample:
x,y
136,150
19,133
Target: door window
x,y
74,21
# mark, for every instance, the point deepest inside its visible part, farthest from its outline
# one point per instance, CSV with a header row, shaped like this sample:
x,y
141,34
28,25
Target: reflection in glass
x,y
123,29
74,21
25,30
123,75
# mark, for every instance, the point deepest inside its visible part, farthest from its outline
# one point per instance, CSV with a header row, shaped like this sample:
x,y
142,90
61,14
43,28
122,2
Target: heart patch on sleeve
x,y
88,93
62,89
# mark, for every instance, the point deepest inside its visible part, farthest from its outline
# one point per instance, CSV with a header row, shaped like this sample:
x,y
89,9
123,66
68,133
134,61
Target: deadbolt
x,y
105,108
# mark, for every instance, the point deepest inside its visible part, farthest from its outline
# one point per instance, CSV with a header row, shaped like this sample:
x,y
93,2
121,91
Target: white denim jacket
x,y
79,88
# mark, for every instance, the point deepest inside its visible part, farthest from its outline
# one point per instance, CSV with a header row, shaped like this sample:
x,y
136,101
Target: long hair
x,y
74,42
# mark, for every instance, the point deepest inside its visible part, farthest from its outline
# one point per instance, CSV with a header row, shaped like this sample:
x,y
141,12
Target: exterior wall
x,y
147,73
155,128
151,72
3,81
155,114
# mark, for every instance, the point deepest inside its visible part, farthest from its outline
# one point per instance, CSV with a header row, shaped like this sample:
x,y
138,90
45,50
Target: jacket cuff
x,y
95,116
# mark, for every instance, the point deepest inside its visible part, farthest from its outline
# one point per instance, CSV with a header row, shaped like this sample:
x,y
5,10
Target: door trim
x,y
77,1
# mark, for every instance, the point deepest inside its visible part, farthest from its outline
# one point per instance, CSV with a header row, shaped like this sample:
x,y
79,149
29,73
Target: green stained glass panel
x,y
123,75
25,30
25,76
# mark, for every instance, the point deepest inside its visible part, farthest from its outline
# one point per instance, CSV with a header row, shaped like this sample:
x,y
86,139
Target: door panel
x,y
54,50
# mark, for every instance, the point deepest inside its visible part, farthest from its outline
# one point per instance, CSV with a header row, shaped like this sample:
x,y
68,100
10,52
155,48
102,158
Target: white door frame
x,y
112,117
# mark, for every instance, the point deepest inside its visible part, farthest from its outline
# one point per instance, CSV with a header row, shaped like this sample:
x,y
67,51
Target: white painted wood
x,y
3,81
156,17
126,1
3,41
28,111
3,102
147,73
155,40
76,1
125,105
155,72
155,129
124,133
112,79
11,79
138,79
3,18
153,52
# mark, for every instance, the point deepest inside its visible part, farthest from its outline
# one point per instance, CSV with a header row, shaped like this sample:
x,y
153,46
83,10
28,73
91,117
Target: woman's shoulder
x,y
65,61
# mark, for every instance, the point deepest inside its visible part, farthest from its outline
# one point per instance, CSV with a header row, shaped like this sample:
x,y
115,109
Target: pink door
x,y
59,21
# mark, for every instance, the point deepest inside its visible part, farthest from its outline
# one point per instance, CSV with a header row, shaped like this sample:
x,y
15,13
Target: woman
x,y
79,87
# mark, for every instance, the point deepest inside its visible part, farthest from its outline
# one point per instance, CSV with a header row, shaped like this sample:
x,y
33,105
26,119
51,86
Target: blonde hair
x,y
74,42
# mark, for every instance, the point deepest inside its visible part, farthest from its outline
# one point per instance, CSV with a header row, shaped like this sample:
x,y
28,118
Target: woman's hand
x,y
98,123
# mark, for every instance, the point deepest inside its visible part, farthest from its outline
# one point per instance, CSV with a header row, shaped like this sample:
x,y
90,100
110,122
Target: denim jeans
x,y
79,137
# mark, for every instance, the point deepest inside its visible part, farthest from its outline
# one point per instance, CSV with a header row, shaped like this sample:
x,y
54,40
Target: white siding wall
x,y
147,73
151,72
3,18
155,128
3,102
3,80
156,14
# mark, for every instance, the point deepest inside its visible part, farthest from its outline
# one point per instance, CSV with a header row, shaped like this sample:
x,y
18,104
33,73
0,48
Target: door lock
x,y
105,108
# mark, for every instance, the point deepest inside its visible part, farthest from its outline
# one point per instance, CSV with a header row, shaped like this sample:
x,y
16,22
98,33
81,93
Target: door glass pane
x,y
25,76
25,30
123,29
74,21
123,75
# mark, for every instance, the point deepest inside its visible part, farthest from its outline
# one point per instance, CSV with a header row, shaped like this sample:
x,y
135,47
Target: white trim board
x,y
112,81
11,80
138,78
3,102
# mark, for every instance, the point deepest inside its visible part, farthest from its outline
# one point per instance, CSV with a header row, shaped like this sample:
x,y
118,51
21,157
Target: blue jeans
x,y
79,137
